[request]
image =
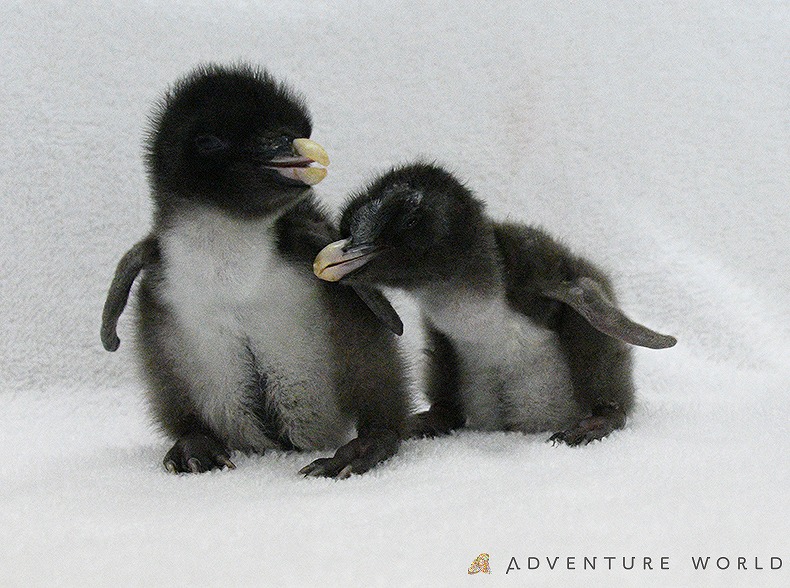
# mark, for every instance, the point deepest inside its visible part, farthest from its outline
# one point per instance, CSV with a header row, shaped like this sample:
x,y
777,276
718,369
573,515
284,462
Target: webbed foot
x,y
355,457
433,423
606,417
196,453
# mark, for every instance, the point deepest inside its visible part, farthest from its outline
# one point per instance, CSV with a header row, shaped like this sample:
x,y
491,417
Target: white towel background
x,y
652,137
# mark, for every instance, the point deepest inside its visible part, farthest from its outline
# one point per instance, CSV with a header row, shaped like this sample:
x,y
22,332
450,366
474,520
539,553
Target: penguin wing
x,y
141,254
381,307
588,298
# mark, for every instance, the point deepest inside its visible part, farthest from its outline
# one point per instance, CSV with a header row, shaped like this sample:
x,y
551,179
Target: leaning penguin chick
x,y
242,348
522,334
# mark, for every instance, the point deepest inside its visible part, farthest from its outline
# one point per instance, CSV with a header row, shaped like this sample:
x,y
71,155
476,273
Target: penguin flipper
x,y
587,297
141,254
381,307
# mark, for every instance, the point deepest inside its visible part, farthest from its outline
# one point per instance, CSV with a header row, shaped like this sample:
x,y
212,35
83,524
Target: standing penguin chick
x,y
522,335
241,347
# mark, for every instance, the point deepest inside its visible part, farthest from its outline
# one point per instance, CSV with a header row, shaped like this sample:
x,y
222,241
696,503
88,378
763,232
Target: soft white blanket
x,y
653,137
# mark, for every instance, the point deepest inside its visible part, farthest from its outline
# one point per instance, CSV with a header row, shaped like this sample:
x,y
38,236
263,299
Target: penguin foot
x,y
433,423
606,417
355,457
196,453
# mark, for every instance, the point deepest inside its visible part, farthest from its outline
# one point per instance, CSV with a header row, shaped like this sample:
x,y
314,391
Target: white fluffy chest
x,y
222,262
487,328
242,309
514,375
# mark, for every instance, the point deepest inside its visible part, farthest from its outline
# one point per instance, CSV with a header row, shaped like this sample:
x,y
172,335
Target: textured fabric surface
x,y
652,138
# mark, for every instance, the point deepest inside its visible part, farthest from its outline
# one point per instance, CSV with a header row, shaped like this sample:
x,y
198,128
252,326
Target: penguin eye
x,y
209,144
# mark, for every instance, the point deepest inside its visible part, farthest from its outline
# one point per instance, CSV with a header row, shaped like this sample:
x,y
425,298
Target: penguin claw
x,y
557,437
170,466
345,473
193,465
315,468
226,462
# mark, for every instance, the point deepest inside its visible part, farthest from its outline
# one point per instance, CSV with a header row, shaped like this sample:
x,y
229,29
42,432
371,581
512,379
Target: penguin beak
x,y
339,259
298,166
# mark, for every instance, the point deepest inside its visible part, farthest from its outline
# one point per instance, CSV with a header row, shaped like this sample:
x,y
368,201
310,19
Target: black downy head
x,y
235,138
410,227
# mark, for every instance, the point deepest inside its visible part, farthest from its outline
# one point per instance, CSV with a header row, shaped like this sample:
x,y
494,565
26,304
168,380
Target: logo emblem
x,y
480,565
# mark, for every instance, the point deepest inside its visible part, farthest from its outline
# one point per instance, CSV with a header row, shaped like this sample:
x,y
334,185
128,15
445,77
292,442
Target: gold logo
x,y
480,565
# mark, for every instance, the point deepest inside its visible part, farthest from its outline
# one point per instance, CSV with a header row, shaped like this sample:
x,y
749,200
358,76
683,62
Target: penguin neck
x,y
174,208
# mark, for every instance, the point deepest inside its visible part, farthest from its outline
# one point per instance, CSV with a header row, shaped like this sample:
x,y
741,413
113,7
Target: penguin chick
x,y
522,335
241,347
